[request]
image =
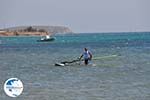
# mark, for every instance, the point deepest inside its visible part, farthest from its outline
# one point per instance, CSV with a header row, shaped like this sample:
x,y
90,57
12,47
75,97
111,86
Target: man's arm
x,y
80,57
90,55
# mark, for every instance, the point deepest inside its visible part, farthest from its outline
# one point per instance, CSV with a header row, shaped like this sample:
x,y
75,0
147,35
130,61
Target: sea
x,y
125,76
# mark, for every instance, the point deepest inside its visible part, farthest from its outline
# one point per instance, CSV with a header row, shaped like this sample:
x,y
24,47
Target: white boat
x,y
46,38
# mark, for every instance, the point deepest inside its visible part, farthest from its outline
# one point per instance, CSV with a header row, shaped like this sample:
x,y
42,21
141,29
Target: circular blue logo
x,y
13,87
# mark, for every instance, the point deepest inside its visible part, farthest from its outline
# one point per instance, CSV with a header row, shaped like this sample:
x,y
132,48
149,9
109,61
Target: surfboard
x,y
73,61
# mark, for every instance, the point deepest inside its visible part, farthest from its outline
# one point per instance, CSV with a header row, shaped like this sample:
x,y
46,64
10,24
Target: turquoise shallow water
x,y
125,77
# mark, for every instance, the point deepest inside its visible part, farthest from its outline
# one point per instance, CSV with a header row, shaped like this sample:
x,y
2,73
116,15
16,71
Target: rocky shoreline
x,y
23,33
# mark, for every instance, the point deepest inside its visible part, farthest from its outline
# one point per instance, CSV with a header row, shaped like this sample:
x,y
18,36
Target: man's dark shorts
x,y
86,61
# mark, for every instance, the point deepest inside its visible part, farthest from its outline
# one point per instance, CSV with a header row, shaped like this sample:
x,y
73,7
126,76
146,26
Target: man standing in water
x,y
86,55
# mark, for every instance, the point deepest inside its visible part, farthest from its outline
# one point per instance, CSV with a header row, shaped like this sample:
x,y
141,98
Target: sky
x,y
78,15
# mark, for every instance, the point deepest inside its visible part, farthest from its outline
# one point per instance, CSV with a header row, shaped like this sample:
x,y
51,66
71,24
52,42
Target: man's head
x,y
85,49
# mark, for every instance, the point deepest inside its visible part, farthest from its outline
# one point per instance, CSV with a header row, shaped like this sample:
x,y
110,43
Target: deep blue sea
x,y
123,77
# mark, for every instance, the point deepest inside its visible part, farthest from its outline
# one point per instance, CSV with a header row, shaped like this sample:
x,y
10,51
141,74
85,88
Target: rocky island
x,y
34,30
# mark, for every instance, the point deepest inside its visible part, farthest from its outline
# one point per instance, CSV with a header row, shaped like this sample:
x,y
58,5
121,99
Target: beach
x,y
123,77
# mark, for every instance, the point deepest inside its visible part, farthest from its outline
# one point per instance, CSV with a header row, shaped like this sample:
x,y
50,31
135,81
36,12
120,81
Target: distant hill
x,y
34,30
50,29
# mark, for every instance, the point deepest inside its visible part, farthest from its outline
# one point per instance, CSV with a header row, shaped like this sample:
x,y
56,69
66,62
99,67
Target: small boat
x,y
46,38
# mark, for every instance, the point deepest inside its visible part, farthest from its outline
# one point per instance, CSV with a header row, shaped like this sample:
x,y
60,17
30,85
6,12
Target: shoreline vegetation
x,y
34,30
